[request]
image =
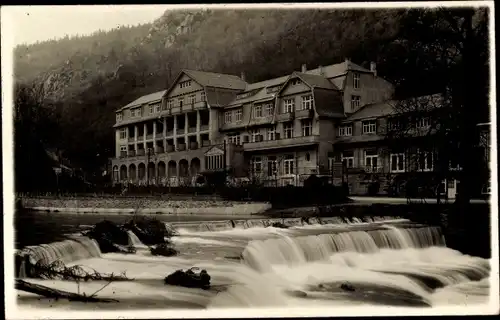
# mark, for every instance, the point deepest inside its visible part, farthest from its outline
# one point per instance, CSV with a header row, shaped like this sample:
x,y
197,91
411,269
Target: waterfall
x,y
212,226
66,251
261,254
133,240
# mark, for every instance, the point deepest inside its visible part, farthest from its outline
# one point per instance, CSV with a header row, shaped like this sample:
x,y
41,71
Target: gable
x,y
178,88
294,85
214,151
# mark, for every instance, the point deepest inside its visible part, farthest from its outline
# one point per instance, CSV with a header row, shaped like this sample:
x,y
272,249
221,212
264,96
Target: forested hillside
x,y
82,80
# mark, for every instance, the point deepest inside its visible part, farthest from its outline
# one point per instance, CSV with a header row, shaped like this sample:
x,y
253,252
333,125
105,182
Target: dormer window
x,y
369,126
356,80
295,81
119,117
345,131
228,115
257,111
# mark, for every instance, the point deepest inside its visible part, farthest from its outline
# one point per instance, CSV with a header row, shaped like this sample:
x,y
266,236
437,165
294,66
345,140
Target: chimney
x,y
304,68
242,76
373,68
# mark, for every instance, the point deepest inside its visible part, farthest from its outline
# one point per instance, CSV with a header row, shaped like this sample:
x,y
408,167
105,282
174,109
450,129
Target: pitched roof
x,y
316,81
217,80
373,110
152,97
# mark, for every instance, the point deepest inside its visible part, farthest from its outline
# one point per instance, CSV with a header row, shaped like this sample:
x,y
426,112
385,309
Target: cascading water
x,y
133,240
65,251
386,260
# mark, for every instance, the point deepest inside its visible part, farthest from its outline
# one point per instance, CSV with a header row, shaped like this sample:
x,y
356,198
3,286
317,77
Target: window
x,y
308,156
295,82
369,126
348,159
123,133
257,111
255,136
288,130
238,115
331,161
269,109
425,161
185,84
288,105
345,131
181,101
256,165
355,102
132,113
356,80
192,99
138,112
228,116
170,103
235,139
203,96
271,133
151,109
371,159
272,166
115,174
288,165
123,148
307,102
397,162
214,162
393,124
423,122
306,128
119,117
135,112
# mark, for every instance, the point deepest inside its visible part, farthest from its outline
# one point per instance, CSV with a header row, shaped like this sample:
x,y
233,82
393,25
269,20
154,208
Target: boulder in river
x,y
149,230
189,279
109,236
163,249
346,286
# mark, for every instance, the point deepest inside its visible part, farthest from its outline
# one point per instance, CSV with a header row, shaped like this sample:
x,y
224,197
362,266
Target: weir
x,y
389,261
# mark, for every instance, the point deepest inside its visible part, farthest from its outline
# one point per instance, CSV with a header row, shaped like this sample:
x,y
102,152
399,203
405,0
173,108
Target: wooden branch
x,y
56,294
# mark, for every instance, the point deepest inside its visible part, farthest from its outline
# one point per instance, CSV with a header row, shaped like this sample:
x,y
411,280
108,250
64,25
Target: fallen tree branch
x,y
56,294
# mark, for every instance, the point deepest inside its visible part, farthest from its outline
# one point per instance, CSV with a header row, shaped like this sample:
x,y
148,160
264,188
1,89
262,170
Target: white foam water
x,y
388,262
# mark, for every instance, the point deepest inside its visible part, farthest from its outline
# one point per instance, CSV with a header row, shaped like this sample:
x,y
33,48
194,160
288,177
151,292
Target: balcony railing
x,y
374,169
131,153
282,117
204,127
304,114
180,131
281,143
149,137
141,152
123,154
176,110
188,107
205,143
131,139
191,129
170,133
159,135
198,105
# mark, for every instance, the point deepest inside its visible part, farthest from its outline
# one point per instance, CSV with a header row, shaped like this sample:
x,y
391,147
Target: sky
x,y
37,23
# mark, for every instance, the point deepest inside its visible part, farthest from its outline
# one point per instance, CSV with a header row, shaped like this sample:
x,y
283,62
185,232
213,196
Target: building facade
x,y
277,131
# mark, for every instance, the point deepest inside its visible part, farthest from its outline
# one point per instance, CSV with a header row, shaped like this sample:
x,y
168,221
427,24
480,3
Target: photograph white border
x,y
11,308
